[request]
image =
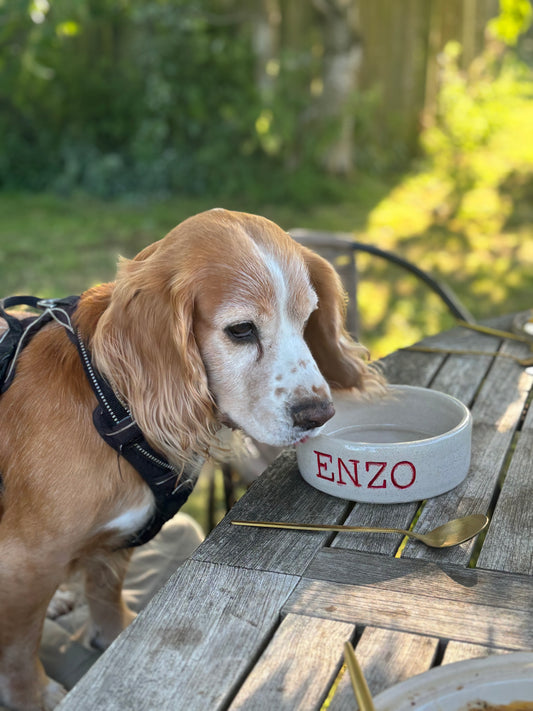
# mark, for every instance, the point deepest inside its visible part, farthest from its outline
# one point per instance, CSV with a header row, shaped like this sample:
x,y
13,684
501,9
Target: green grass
x,y
53,246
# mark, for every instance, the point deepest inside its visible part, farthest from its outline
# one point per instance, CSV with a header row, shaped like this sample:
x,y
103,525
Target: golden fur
x,y
157,334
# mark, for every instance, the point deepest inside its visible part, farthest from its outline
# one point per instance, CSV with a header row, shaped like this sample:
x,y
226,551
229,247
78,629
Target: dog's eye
x,y
244,332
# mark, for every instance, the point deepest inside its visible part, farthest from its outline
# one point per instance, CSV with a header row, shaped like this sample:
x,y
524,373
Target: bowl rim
x,y
465,420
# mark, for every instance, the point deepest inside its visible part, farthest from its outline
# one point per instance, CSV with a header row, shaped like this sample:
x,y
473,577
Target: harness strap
x,y
116,426
112,420
20,331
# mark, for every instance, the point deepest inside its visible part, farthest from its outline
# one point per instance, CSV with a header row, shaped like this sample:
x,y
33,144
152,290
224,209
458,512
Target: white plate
x,y
498,679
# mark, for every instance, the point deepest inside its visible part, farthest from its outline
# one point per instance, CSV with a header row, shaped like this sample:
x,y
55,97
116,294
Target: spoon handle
x,y
360,687
321,527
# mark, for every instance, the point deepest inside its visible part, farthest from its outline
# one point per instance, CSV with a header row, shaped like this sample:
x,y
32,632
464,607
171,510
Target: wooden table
x,y
257,618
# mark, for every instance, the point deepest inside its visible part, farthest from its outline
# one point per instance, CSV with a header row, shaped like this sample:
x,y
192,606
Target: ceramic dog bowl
x,y
411,444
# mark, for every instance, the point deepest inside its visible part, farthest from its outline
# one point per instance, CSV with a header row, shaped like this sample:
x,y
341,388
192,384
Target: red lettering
x,y
323,465
381,466
402,476
354,477
410,466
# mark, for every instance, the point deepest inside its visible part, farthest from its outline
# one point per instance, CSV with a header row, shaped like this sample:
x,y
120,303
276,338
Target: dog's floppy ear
x,y
144,344
341,360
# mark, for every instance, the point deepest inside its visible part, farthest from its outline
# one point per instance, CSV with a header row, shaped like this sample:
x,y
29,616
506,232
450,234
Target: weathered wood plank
x,y
411,368
507,545
475,623
386,657
446,372
298,666
528,421
280,494
496,413
467,605
501,399
416,368
205,626
461,376
460,651
379,515
422,578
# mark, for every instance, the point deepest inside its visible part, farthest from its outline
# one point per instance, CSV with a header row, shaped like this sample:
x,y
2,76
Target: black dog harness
x,y
113,421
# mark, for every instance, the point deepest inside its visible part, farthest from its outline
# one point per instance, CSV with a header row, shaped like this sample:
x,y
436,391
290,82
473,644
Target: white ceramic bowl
x,y
411,444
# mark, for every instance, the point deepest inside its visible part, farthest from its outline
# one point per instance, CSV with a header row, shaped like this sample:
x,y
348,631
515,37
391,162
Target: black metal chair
x,y
340,249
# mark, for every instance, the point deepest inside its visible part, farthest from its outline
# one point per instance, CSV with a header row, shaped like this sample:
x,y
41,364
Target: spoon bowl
x,y
451,533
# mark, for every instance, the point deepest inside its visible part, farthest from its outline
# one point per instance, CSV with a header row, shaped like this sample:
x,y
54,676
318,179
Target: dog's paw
x,y
100,636
53,695
64,601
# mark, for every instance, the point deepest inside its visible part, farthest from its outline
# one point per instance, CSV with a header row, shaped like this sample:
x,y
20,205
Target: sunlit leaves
x,y
38,10
513,20
68,28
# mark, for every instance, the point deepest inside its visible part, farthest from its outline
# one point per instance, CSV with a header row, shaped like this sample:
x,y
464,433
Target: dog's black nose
x,y
312,413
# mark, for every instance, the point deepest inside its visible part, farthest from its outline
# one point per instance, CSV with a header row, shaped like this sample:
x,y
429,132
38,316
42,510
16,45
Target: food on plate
x,y
513,706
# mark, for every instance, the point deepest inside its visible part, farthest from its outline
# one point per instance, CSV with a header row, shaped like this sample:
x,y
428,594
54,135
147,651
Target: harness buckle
x,y
47,303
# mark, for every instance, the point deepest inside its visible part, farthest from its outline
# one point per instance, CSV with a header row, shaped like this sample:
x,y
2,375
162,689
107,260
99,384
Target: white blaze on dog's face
x,y
249,324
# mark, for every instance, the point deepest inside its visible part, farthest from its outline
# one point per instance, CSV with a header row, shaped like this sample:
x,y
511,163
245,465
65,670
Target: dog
x,y
225,321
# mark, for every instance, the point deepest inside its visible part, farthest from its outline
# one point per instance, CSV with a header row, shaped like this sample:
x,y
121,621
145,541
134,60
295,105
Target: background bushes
x,y
221,96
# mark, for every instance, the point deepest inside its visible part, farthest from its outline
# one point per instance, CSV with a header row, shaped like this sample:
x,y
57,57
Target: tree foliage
x,y
166,96
112,96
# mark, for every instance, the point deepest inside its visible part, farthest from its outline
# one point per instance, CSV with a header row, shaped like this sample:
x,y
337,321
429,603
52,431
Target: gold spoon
x,y
525,362
359,685
456,531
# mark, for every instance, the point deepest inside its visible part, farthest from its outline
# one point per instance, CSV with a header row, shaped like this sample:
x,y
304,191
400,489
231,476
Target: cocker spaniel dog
x,y
225,321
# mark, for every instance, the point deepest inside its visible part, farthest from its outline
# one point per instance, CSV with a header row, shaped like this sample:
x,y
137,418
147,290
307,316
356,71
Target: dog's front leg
x,y
28,579
109,614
